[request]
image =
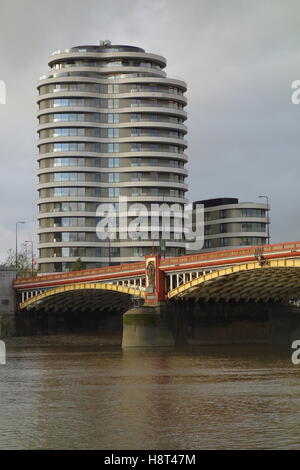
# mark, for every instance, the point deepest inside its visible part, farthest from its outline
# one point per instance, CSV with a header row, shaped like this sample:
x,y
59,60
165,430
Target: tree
x,y
78,265
24,263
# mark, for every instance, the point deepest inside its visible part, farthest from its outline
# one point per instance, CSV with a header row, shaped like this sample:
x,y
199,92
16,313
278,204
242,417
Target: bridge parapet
x,y
156,277
231,255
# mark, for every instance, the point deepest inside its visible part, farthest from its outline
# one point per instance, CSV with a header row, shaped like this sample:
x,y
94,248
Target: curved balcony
x,y
106,140
77,55
122,125
125,169
107,70
102,80
136,110
121,96
156,155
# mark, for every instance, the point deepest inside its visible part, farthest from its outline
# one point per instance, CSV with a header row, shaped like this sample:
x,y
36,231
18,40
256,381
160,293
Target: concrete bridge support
x,y
7,303
202,323
147,326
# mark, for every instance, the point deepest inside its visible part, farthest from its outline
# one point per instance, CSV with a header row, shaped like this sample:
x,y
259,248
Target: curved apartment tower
x,y
111,125
230,224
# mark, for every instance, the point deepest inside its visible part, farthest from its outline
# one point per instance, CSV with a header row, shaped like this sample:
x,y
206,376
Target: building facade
x,y
230,224
111,125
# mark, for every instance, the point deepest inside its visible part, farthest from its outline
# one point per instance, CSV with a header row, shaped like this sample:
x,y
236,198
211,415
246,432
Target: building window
x,y
113,118
136,177
69,177
223,228
135,103
114,251
113,163
113,192
112,89
252,212
253,227
252,241
224,242
113,177
113,103
112,148
138,251
136,147
136,161
223,213
137,191
136,117
136,88
153,191
113,132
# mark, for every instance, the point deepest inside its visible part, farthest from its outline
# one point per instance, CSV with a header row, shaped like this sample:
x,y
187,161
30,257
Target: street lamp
x,y
109,252
17,246
30,241
268,220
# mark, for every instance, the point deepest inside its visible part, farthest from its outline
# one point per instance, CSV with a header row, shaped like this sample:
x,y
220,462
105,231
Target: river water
x,y
95,397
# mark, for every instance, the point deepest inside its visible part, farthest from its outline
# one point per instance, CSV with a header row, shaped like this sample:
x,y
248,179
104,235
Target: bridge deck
x,y
205,261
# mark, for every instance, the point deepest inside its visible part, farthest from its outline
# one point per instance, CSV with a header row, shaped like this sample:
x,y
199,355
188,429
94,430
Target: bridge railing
x,y
215,255
84,272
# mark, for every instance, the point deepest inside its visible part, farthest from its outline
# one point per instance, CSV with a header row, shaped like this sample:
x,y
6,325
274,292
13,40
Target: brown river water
x,y
94,397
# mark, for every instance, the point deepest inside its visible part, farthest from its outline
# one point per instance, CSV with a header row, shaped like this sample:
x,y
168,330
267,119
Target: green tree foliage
x,y
78,265
24,263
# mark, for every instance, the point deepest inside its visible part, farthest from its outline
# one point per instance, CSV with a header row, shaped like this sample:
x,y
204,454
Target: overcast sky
x,y
238,58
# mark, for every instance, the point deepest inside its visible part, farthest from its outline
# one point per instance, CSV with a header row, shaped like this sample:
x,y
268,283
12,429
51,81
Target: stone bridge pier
x,y
7,302
195,323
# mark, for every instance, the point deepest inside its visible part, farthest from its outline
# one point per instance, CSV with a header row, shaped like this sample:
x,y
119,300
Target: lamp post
x,y
17,246
268,220
109,252
30,241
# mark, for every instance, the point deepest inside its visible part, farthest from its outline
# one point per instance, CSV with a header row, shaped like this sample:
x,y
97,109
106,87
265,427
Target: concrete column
x,y
7,303
147,326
